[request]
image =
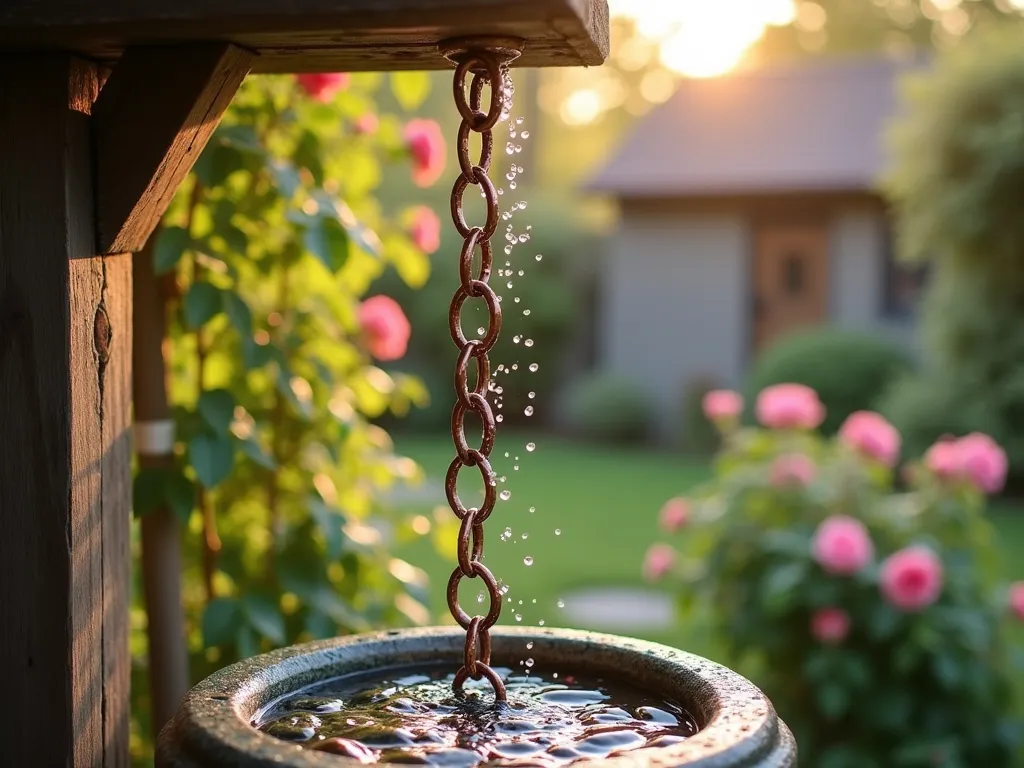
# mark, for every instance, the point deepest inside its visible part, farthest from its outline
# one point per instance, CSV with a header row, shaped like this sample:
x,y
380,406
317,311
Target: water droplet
x,y
534,601
529,410
515,467
532,510
531,395
502,479
526,312
511,185
505,495
531,447
499,418
520,602
510,148
515,366
517,301
529,663
480,597
516,339
528,342
526,535
526,134
521,273
538,257
508,250
519,120
481,331
561,603
519,148
527,561
529,646
518,617
533,367
509,284
506,454
540,623
523,239
558,531
504,589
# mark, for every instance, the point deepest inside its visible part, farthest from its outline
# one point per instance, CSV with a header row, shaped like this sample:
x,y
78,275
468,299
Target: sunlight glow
x,y
704,38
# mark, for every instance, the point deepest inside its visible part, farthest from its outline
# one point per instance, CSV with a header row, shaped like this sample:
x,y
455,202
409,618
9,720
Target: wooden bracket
x,y
151,121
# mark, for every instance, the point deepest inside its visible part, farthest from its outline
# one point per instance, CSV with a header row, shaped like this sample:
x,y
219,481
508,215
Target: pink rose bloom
x,y
789,406
658,561
1016,599
675,514
385,327
911,579
943,459
425,229
427,147
792,470
323,86
722,405
367,124
871,435
830,625
842,546
983,462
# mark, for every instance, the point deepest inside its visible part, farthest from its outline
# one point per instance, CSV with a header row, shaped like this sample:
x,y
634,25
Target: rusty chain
x,y
486,61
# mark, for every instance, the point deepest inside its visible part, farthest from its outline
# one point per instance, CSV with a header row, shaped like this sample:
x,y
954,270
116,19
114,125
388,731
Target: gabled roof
x,y
815,126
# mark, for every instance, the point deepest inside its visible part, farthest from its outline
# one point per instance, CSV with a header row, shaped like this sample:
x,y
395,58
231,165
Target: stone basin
x,y
738,725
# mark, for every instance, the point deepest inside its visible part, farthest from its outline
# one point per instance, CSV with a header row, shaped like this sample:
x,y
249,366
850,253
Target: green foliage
x,y
958,175
898,687
850,371
700,438
608,409
271,245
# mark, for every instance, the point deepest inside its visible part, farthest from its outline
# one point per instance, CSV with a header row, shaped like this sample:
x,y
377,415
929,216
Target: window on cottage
x,y
903,283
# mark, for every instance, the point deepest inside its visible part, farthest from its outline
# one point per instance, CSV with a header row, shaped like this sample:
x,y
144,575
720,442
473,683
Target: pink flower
x,y
323,85
675,514
385,327
658,561
943,459
789,406
425,229
722,406
1016,599
830,625
427,147
792,469
367,123
911,579
871,435
983,462
842,546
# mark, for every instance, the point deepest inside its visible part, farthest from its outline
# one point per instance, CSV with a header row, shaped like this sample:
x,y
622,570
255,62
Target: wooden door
x,y
790,280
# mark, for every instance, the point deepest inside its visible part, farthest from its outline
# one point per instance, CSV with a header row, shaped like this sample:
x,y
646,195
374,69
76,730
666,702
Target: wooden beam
x,y
152,119
64,399
315,35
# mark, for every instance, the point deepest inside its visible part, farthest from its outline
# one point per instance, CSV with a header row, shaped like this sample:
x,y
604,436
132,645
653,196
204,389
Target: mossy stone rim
x,y
739,727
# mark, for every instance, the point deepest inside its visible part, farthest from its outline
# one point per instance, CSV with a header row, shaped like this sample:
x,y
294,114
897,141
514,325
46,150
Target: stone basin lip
x,y
739,727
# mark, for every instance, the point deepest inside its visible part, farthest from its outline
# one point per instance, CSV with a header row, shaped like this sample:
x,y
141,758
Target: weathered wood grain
x,y
54,454
315,35
153,117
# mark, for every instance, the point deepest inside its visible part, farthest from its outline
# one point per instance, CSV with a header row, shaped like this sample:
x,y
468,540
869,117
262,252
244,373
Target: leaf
x,y
412,265
238,312
780,586
255,452
410,88
217,407
148,490
286,178
181,496
327,241
265,616
255,355
220,619
170,245
212,457
330,523
201,304
245,642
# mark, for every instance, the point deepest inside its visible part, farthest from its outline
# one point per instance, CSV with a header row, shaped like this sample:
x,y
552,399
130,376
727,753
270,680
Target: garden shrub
x,y
607,408
872,619
957,181
699,437
850,371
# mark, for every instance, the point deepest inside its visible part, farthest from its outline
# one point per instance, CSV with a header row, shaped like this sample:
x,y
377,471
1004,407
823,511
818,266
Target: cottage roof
x,y
814,126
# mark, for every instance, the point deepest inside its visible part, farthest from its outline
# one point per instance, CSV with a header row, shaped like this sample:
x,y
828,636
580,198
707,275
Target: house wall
x,y
674,305
675,301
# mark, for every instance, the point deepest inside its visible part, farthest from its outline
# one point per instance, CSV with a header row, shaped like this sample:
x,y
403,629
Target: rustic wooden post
x,y
87,165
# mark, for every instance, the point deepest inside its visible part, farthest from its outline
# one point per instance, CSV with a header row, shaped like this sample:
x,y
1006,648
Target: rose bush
x,y
871,617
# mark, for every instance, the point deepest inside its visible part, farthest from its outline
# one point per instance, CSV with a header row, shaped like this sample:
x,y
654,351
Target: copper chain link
x,y
487,63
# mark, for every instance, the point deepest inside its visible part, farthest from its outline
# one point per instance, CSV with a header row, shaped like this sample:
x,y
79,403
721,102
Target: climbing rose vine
x,y
871,615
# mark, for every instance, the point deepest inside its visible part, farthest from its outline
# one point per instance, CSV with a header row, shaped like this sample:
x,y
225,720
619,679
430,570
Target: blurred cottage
x,y
749,209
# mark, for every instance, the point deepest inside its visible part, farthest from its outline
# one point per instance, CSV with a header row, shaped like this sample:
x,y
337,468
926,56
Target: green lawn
x,y
604,501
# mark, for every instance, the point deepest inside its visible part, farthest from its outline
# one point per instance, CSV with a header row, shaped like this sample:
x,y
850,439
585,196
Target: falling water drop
x,y
515,366
521,273
538,257
531,447
529,646
526,312
529,410
505,495
532,510
509,284
481,331
533,367
516,300
527,561
528,342
526,535
561,603
480,597
531,395
558,531
517,338
540,623
529,663
526,134
499,418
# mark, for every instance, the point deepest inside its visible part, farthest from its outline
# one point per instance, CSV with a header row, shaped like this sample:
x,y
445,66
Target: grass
x,y
603,501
